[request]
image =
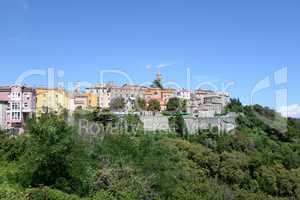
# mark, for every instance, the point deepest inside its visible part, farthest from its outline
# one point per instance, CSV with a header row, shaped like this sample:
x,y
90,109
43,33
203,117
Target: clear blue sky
x,y
220,41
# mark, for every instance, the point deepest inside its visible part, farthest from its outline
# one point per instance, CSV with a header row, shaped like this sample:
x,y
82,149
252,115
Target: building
x,y
54,100
130,93
102,92
166,95
81,101
92,100
161,95
3,108
84,101
183,94
207,103
17,105
109,91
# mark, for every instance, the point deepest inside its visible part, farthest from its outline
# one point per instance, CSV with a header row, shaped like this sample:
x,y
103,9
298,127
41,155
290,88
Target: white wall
x,y
3,107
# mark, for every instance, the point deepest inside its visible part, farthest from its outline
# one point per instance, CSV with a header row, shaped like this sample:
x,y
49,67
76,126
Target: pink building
x,y
19,103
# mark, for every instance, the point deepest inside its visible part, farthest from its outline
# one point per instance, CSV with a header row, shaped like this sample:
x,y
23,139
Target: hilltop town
x,y
19,103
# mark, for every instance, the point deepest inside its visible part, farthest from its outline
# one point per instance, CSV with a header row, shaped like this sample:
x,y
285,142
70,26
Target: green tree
x,y
234,106
174,104
54,156
105,118
184,105
157,84
177,124
133,123
153,105
117,104
140,104
8,192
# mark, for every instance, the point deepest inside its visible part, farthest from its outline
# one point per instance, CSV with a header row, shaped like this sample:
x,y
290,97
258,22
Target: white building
x,y
183,94
108,91
3,108
103,91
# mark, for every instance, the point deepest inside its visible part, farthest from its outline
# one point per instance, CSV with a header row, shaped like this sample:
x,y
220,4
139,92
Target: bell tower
x,y
158,75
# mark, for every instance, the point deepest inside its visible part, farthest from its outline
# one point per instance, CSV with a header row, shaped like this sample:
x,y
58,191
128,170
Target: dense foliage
x,y
157,84
52,161
117,104
140,104
153,105
176,105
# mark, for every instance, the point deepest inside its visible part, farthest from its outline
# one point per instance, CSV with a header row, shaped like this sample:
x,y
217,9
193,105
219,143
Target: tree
x,y
132,123
184,105
54,156
8,192
117,103
153,105
105,117
140,104
177,123
157,84
174,104
234,106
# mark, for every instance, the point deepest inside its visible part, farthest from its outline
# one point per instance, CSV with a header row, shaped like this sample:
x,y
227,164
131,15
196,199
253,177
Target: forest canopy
x,y
53,161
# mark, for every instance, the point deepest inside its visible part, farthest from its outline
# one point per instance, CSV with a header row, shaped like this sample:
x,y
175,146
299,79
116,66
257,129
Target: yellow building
x,y
92,100
53,100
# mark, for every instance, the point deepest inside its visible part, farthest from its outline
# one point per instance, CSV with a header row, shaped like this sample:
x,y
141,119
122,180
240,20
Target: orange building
x,y
161,95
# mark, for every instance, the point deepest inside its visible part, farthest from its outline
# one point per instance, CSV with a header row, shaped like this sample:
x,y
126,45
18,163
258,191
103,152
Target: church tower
x,y
158,75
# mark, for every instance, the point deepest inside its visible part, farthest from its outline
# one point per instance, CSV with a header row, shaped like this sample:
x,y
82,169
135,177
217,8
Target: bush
x,y
8,192
153,105
49,194
54,156
177,124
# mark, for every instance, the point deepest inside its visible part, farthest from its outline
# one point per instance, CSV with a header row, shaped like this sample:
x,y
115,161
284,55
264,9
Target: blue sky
x,y
219,41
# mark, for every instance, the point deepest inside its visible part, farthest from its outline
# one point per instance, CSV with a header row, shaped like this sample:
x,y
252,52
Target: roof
x,y
7,88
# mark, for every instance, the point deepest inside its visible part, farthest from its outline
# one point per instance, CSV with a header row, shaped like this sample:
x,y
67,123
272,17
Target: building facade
x,y
207,103
108,91
161,95
130,93
17,106
183,94
92,100
84,101
3,109
54,100
102,92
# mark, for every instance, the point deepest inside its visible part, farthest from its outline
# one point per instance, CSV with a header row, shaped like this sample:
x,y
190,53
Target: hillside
x,y
259,160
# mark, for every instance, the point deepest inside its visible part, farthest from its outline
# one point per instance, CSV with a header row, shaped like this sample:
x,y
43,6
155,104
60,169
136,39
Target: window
x,y
16,115
25,105
15,106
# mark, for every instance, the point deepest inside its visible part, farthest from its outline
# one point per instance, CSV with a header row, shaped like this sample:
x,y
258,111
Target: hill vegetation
x,y
53,161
